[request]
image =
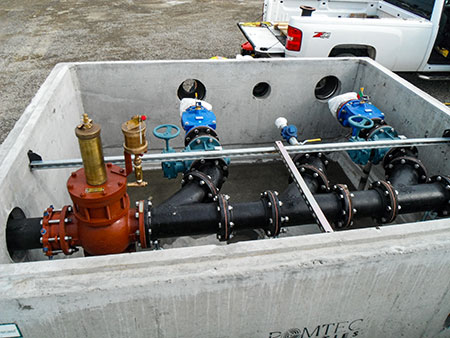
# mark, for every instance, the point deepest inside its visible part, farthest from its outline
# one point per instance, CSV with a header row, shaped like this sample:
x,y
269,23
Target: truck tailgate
x,y
263,37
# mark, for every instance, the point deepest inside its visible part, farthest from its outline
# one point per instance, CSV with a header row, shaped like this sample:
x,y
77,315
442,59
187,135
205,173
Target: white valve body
x,y
335,102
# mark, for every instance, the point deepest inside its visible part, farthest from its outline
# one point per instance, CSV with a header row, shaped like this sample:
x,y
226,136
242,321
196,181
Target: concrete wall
x,y
383,282
388,282
112,92
47,128
411,111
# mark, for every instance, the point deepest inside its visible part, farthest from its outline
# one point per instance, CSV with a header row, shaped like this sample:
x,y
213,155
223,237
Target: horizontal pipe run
x,y
258,152
23,234
195,219
203,218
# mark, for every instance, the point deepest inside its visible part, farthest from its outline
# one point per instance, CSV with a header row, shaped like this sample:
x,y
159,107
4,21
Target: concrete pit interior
x,y
235,196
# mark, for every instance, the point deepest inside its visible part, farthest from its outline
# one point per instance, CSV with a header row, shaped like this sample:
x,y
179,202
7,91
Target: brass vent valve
x,y
135,144
88,135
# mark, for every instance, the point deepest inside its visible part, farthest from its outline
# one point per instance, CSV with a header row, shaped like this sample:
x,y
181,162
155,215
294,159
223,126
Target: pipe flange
x,y
445,182
225,225
219,162
145,218
378,123
199,131
393,153
379,128
272,205
390,197
203,181
407,160
345,196
317,174
304,166
304,158
54,238
307,158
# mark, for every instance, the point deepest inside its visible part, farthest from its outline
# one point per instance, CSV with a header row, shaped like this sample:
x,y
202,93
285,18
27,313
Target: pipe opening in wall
x,y
261,90
15,252
327,87
188,88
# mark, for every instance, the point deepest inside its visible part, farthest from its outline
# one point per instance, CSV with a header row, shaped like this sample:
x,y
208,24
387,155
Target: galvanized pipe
x,y
258,152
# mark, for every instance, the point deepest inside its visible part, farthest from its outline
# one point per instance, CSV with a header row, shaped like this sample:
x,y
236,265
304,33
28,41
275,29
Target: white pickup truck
x,y
402,35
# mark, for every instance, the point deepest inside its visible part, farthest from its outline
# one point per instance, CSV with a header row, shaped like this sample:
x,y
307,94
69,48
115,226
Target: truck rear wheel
x,y
345,55
353,51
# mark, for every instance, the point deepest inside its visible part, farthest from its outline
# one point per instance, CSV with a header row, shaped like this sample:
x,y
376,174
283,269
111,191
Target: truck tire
x,y
340,55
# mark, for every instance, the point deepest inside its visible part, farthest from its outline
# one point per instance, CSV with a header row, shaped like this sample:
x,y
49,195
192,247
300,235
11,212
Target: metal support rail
x,y
258,152
306,194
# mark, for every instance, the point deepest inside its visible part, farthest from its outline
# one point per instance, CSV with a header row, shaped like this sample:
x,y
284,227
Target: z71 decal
x,y
322,35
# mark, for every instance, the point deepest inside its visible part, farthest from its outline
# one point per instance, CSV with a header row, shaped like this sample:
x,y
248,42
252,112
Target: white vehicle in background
x,y
402,35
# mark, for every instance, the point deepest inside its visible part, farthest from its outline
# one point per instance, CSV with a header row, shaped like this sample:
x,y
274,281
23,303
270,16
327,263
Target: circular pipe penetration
x,y
327,87
191,88
261,90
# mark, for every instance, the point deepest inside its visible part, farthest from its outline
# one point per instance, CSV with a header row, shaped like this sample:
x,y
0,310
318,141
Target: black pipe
x,y
192,192
202,218
172,221
404,175
23,234
422,197
316,160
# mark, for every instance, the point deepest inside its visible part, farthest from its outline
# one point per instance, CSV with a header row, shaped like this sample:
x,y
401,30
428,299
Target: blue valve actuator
x,y
358,108
196,116
360,114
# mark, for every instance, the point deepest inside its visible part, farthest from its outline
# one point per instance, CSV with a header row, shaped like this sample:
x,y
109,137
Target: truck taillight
x,y
294,39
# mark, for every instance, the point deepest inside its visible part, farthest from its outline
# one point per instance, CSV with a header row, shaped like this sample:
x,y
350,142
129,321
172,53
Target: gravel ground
x,y
37,34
